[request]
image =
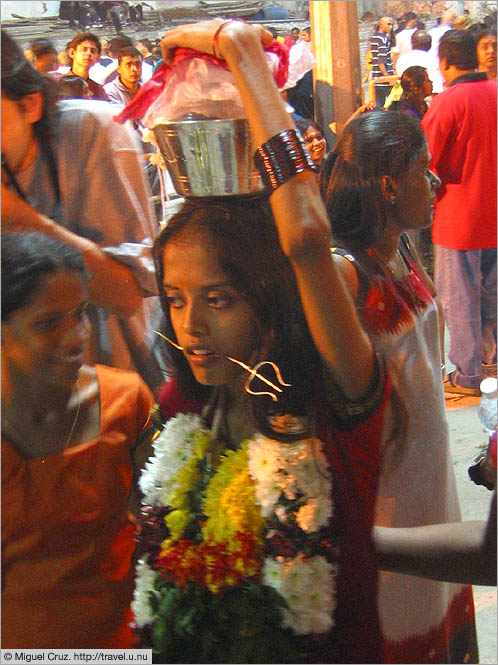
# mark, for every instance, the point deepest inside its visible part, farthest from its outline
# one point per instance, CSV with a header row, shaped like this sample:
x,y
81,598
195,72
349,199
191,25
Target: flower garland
x,y
254,527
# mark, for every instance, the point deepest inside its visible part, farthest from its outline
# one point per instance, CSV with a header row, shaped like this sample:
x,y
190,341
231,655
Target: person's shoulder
x,y
436,30
118,375
122,382
112,86
75,111
474,91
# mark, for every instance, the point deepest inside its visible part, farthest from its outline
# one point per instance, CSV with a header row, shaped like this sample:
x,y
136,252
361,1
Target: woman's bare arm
x,y
112,284
463,552
299,213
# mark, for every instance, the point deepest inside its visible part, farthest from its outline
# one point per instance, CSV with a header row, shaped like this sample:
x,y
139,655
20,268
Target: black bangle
x,y
282,157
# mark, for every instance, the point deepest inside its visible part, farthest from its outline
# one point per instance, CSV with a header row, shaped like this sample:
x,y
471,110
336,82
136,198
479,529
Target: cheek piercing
x,y
253,371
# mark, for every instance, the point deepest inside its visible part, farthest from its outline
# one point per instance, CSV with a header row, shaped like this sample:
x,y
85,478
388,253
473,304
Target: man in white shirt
x,y
447,20
419,55
403,38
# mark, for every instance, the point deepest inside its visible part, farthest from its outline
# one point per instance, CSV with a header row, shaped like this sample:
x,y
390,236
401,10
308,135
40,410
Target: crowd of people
x,y
241,446
391,51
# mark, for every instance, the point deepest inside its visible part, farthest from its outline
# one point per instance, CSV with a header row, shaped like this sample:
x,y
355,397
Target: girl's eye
x,y
48,324
174,300
219,300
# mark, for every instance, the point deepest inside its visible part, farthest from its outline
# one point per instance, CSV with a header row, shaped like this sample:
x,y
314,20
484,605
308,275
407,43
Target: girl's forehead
x,y
191,257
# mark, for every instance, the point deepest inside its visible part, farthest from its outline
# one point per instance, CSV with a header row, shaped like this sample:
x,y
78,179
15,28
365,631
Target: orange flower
x,y
215,565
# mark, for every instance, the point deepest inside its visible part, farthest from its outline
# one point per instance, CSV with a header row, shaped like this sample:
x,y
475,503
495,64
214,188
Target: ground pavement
x,y
468,439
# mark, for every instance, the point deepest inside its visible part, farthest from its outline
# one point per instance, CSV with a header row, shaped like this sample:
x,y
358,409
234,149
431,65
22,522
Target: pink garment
x,y
149,92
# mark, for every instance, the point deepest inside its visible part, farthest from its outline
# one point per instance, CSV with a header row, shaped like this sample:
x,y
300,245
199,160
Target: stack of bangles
x,y
282,157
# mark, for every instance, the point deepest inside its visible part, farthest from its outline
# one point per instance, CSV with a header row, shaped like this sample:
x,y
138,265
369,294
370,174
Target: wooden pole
x,y
337,75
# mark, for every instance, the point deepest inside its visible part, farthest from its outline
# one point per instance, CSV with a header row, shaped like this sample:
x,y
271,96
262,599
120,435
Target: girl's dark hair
x,y
248,251
42,46
303,124
484,32
20,78
27,258
412,98
373,145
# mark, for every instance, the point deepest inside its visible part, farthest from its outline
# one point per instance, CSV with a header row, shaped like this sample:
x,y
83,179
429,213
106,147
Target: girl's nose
x,y
435,181
194,322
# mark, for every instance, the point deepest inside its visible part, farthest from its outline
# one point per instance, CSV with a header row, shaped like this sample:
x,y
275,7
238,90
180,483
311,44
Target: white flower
x,y
147,484
144,585
172,450
264,459
264,464
314,514
272,573
308,585
311,470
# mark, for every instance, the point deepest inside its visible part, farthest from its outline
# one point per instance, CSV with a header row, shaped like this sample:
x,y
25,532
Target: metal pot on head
x,y
209,157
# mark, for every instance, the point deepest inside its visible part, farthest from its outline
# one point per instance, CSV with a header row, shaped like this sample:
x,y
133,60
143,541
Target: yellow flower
x,y
176,521
230,504
201,444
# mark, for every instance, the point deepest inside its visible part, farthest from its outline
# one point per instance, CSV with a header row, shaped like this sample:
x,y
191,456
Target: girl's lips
x,y
201,356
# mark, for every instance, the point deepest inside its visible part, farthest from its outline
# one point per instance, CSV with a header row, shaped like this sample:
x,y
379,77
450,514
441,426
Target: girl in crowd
x,y
315,141
69,435
380,187
256,531
416,87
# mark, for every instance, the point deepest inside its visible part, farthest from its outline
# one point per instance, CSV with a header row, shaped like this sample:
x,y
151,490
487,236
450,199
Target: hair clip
x,y
253,372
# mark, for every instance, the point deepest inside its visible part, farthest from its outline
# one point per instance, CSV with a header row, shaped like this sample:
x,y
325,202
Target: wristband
x,y
281,158
216,34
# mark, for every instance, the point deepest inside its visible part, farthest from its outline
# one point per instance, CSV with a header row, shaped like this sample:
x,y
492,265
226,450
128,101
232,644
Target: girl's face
x,y
426,87
415,193
315,144
18,138
208,314
46,338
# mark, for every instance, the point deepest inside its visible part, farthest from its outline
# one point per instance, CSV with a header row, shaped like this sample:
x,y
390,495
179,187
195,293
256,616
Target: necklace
x,y
404,286
78,394
73,425
385,263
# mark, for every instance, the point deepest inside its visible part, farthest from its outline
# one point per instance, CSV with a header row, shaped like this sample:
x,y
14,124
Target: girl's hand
x,y
205,36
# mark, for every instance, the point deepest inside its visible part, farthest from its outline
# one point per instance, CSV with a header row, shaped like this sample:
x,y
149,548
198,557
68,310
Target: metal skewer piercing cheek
x,y
253,371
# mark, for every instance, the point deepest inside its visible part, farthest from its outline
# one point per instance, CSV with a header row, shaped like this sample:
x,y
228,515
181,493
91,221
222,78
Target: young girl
x,y
255,540
69,435
416,87
380,189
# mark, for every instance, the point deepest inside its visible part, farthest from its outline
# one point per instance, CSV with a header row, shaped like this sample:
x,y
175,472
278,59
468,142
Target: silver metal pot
x,y
209,157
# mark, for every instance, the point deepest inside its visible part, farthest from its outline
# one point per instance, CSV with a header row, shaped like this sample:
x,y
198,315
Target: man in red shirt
x,y
460,127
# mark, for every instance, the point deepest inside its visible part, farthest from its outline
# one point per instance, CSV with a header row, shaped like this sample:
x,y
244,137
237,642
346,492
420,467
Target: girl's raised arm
x,y
299,213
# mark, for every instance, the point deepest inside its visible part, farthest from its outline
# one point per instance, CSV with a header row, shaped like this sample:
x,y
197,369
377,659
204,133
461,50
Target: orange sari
x,y
67,534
